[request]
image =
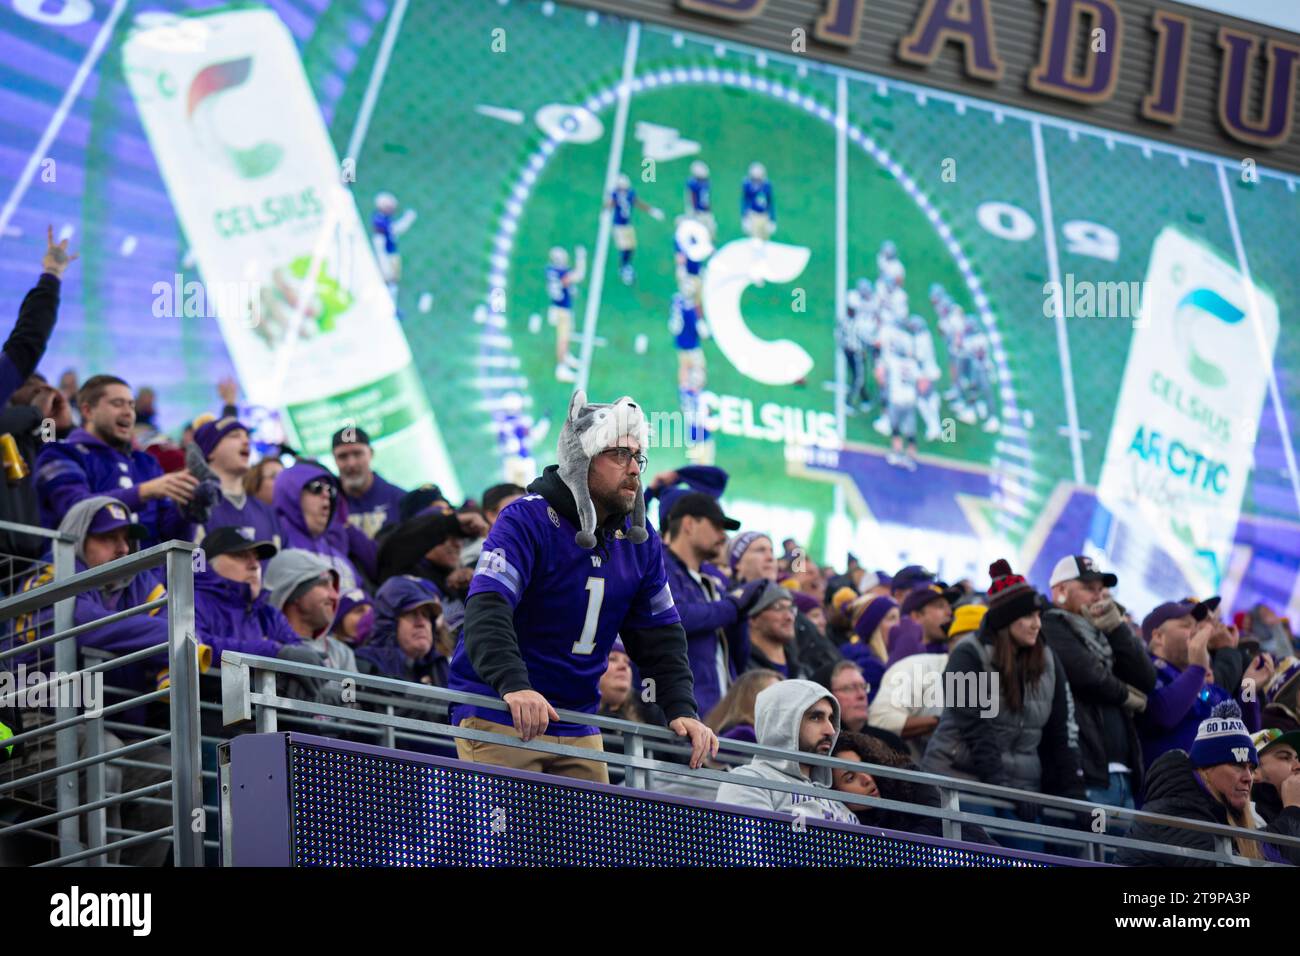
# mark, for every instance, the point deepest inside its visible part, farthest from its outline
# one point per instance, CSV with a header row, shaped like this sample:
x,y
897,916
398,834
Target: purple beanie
x,y
209,435
871,617
804,602
739,545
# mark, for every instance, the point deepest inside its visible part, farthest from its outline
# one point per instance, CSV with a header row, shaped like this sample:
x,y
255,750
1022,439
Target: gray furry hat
x,y
588,430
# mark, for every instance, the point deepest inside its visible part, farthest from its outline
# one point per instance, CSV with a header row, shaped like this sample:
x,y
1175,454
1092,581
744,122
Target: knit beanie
x,y
872,615
1010,597
1223,738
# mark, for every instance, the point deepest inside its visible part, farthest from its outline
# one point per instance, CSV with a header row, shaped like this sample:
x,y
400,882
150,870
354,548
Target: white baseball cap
x,y
1079,567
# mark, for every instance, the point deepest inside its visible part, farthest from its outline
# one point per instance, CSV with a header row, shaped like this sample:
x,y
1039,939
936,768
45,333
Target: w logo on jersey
x,y
595,561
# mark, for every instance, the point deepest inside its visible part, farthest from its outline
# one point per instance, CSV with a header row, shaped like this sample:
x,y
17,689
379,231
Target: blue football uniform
x,y
692,268
684,324
757,199
382,224
561,295
569,604
624,202
699,189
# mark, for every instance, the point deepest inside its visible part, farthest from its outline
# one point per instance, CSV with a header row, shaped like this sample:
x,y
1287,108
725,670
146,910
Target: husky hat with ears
x,y
589,430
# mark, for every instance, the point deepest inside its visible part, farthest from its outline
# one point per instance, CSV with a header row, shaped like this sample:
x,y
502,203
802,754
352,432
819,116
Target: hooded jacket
x,y
1173,789
384,654
349,553
83,465
284,573
119,637
1107,732
778,716
228,617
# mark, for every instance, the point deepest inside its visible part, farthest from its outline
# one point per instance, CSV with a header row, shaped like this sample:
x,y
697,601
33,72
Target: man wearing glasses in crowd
x,y
543,613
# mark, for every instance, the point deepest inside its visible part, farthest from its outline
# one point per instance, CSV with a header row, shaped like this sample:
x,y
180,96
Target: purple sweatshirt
x,y
68,471
377,507
228,617
1175,709
254,514
703,619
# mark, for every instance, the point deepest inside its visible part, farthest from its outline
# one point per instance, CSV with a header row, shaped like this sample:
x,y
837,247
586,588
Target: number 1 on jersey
x,y
595,597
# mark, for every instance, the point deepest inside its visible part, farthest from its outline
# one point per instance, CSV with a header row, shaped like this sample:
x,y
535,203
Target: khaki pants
x,y
517,758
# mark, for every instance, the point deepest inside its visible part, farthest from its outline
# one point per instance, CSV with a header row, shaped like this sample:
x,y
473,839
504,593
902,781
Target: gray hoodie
x,y
778,714
77,523
284,573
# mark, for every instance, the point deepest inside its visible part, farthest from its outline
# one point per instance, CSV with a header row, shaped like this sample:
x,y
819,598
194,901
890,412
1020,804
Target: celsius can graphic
x,y
281,249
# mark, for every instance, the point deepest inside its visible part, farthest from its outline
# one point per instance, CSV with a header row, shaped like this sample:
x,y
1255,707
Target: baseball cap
x,y
919,597
349,435
113,516
232,540
698,504
208,436
1271,737
1080,567
911,576
1172,610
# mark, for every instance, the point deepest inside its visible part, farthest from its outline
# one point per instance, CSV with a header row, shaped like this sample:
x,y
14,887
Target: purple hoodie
x,y
68,471
343,547
228,617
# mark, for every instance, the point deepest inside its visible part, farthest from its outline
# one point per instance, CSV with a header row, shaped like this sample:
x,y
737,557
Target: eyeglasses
x,y
859,688
621,456
320,487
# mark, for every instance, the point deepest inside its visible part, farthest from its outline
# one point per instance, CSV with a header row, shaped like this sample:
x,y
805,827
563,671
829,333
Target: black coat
x,y
1174,790
1096,689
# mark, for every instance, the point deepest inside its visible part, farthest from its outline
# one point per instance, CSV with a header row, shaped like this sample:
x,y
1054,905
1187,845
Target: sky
x,y
1277,13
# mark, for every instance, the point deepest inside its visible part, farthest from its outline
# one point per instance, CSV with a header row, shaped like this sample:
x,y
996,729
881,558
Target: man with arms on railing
x,y
304,587
799,716
545,605
99,459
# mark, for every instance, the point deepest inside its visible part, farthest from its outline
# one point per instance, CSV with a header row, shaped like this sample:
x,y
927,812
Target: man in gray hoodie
x,y
799,716
304,587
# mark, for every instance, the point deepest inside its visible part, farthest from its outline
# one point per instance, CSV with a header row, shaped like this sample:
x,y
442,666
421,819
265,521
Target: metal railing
x,y
248,690
82,753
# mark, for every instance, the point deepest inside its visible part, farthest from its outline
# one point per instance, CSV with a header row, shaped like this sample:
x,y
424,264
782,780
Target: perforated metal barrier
x,y
299,800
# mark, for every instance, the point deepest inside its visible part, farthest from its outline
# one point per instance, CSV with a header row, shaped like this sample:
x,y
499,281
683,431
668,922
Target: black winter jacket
x,y
1099,694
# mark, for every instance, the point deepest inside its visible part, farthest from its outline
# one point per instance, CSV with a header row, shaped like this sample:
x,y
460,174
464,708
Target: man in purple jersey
x,y
372,501
543,611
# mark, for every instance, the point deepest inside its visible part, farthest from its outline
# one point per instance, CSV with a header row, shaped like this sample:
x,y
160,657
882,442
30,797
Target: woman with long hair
x,y
1210,783
871,618
1006,702
733,716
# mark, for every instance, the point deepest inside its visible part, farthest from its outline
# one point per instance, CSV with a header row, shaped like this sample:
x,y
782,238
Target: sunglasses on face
x,y
320,487
621,457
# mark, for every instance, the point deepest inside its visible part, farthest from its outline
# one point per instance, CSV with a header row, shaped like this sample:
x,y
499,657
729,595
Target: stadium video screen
x,y
912,325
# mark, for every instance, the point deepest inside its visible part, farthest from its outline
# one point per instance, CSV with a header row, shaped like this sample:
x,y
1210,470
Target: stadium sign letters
x,y
1057,72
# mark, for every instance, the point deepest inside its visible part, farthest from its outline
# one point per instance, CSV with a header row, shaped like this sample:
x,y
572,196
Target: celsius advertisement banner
x,y
257,188
1182,442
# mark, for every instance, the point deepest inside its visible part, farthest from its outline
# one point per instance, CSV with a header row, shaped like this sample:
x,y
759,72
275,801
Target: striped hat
x,y
1010,597
1223,738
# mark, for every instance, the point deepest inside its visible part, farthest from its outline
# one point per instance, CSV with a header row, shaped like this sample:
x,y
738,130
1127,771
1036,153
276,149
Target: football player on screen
x,y
560,280
385,231
688,330
623,200
699,201
758,214
565,571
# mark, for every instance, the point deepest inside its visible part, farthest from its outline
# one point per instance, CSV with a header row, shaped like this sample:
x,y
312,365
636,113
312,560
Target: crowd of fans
x,y
1181,709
